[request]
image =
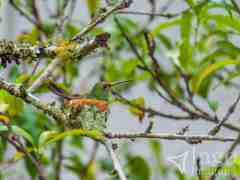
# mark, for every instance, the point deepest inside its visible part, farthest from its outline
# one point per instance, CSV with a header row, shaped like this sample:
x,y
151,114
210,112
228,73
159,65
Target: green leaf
x,y
70,30
190,2
156,149
129,66
166,25
93,6
31,37
74,164
185,57
3,128
45,136
213,105
14,104
3,148
28,120
166,41
197,79
179,175
138,168
223,21
23,133
231,76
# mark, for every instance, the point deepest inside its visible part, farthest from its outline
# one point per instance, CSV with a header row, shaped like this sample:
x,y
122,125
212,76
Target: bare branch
x,y
49,70
167,136
199,168
165,15
150,111
28,17
116,164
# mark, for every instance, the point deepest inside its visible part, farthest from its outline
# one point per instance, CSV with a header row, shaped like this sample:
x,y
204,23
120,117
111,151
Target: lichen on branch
x,y
65,49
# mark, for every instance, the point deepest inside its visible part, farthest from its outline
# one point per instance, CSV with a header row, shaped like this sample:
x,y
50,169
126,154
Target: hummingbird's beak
x,y
117,83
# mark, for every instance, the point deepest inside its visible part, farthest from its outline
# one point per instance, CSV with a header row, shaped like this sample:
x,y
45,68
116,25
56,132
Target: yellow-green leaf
x,y
5,119
93,6
140,102
18,155
23,133
97,135
198,79
45,136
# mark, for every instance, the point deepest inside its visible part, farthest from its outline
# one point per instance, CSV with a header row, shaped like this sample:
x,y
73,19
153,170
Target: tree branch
x,y
49,70
74,51
20,92
164,15
167,136
27,16
116,164
121,5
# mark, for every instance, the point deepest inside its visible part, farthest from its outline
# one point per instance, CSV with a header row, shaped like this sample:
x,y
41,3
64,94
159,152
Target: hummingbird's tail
x,y
57,90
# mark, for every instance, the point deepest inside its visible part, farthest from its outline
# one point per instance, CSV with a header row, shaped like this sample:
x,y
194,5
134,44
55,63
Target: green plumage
x,y
88,117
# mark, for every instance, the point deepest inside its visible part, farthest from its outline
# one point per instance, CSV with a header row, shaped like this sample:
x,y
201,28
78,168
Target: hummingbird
x,y
88,111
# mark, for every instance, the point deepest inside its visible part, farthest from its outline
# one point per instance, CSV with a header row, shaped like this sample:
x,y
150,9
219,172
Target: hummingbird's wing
x,y
57,90
61,92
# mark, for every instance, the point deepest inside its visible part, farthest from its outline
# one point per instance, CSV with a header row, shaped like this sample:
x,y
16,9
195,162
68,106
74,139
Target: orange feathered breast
x,y
101,105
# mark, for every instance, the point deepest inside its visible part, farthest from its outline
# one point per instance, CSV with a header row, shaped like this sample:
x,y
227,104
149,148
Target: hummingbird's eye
x,y
105,86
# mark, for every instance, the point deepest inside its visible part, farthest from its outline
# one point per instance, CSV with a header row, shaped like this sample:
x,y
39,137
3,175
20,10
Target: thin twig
x,y
173,117
59,160
49,70
165,15
230,111
28,17
225,157
199,169
151,111
61,17
37,17
116,164
190,94
237,8
121,5
140,58
183,130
